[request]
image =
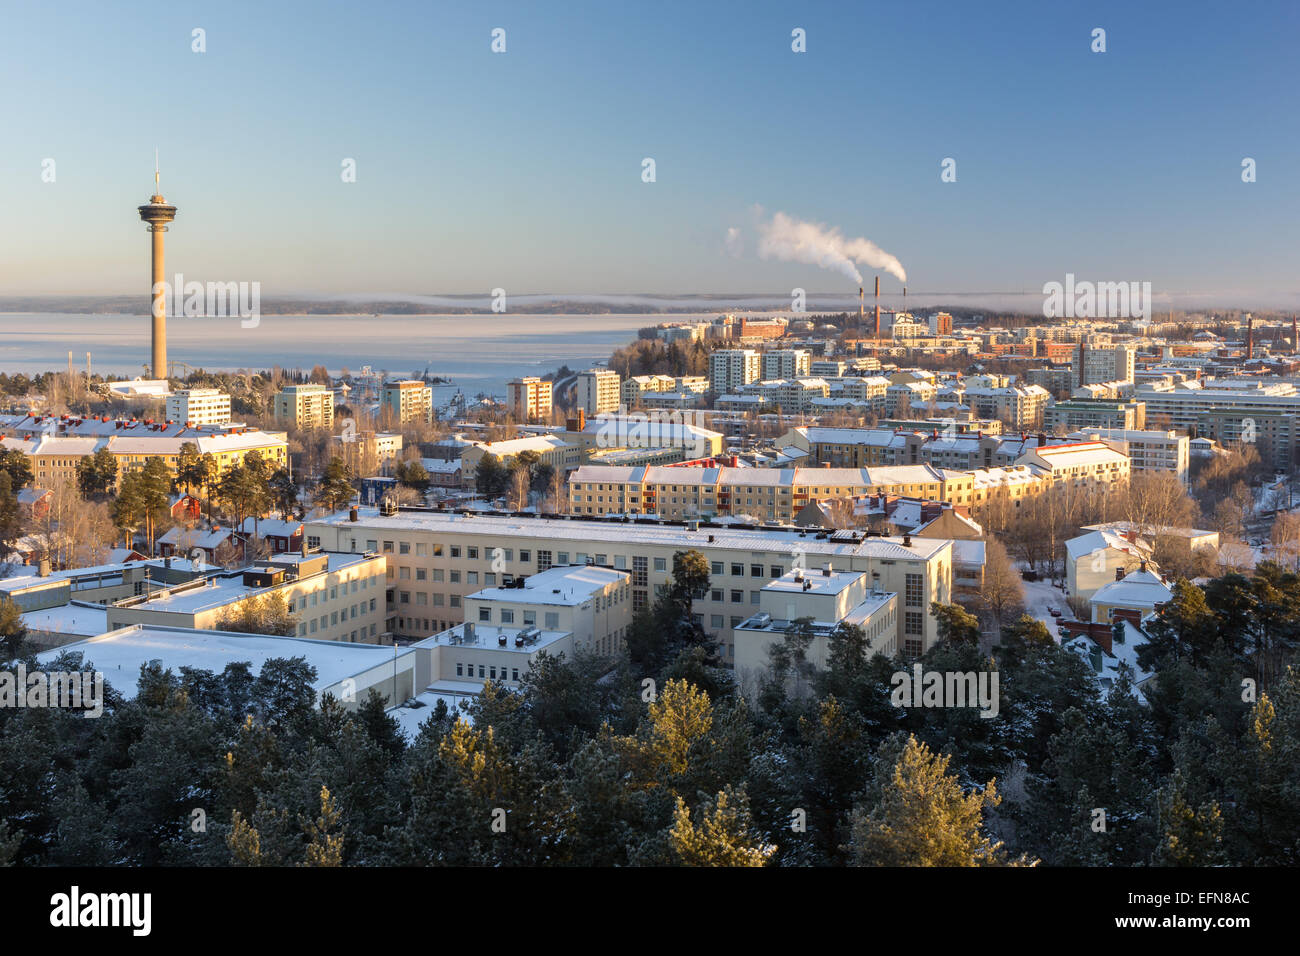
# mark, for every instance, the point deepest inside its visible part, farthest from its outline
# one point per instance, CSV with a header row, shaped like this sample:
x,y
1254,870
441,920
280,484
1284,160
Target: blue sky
x,y
523,170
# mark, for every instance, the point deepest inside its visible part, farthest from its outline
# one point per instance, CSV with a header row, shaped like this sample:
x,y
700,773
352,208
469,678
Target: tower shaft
x,y
158,367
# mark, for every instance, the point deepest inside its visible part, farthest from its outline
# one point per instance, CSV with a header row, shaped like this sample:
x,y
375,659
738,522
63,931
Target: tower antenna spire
x,y
156,187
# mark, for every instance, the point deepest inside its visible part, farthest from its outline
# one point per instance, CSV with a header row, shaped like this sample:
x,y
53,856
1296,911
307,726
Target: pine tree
x,y
325,834
244,841
921,817
720,835
1192,836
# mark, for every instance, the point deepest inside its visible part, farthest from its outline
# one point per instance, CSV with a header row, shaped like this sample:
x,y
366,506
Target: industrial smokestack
x,y
861,304
877,306
1295,340
1250,336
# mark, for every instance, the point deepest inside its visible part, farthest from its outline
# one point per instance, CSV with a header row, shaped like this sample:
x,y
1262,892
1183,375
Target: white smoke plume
x,y
791,240
734,244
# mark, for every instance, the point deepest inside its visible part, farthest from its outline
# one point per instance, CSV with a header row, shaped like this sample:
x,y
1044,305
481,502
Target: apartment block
x,y
1081,463
598,390
406,401
1087,413
305,406
1149,452
731,368
1020,406
199,406
1113,363
529,399
787,363
56,445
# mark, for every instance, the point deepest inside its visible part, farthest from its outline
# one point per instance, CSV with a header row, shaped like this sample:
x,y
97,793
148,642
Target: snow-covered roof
x,y
1138,589
271,526
567,585
119,654
1122,652
1098,540
72,618
580,531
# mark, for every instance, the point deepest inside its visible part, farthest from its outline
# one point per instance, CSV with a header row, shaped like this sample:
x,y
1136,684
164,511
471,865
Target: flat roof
x,y
119,654
220,590
68,619
815,581
568,585
488,637
576,532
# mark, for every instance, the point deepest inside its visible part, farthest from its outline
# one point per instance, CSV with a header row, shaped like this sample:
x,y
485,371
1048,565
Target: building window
x,y
552,620
913,622
485,614
913,589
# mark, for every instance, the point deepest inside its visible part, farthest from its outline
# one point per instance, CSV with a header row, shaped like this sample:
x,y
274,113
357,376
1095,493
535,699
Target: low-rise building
x,y
437,559
333,596
823,599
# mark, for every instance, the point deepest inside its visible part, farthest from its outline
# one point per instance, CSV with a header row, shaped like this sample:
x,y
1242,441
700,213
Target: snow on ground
x,y
409,719
1039,596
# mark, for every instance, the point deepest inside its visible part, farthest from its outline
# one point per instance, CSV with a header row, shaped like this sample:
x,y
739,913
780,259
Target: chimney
x,y
353,515
826,570
877,306
43,567
1119,574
